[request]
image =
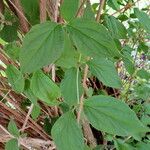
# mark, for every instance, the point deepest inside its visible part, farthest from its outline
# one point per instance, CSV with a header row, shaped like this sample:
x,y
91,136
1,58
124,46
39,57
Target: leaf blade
x,y
64,141
44,88
43,44
113,116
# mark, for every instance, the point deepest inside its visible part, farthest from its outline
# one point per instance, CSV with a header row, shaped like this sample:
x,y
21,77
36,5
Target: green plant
x,y
79,72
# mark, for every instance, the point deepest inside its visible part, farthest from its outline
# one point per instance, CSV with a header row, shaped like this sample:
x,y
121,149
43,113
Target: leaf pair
x,y
44,44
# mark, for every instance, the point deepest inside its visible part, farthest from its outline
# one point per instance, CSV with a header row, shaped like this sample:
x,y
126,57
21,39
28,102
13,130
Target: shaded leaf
x,y
12,50
15,78
31,9
35,112
9,32
44,88
128,60
121,145
105,71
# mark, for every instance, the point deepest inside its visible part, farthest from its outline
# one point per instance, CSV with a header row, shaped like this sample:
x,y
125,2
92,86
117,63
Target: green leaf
x,y
144,19
31,9
142,91
9,32
43,45
29,94
113,116
147,108
88,12
122,17
143,146
69,57
35,112
12,128
71,86
121,145
15,78
143,74
128,60
113,4
143,47
44,88
67,134
92,39
12,145
145,120
116,28
12,50
69,9
105,71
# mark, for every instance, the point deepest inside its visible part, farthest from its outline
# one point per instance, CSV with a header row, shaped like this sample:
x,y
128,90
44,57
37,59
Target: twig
x,y
27,117
82,97
53,66
80,8
101,5
1,6
43,11
24,23
5,95
126,7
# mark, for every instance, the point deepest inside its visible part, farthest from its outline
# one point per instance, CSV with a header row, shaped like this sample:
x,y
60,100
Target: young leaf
x,y
113,116
43,45
70,87
116,28
35,112
92,38
44,88
69,8
15,78
12,145
12,128
144,19
105,71
69,57
67,134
